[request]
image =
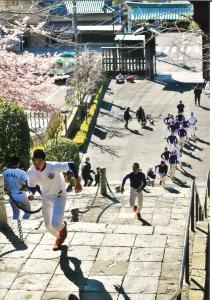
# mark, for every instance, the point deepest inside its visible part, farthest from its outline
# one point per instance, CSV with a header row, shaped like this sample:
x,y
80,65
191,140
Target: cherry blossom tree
x,y
23,78
86,78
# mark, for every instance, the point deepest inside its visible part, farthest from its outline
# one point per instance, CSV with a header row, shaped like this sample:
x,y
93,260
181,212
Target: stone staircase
x,y
119,257
200,263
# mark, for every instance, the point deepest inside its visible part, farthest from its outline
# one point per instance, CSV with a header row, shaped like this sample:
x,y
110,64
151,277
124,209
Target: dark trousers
x,y
126,123
87,179
197,99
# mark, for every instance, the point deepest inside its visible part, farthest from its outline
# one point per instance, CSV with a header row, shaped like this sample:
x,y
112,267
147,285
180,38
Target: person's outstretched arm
x,y
123,182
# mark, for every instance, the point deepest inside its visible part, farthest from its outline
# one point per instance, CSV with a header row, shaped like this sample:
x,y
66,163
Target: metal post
x,y
103,184
187,279
74,20
179,296
192,208
66,128
197,206
3,213
206,205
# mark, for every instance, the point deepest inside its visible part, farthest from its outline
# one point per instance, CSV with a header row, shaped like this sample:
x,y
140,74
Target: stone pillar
x,y
3,214
103,184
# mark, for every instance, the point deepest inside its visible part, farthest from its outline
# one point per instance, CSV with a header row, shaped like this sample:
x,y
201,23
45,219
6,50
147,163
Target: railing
x,y
196,212
38,120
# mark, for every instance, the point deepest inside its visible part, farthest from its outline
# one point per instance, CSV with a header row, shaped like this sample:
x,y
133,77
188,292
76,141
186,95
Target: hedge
x,y
81,135
14,133
62,149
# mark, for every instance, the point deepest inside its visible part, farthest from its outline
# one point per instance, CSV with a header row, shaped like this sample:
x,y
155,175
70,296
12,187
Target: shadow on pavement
x,y
205,108
180,183
148,128
172,85
111,131
17,243
192,147
117,117
106,105
134,131
191,155
74,273
202,141
104,148
172,190
184,164
144,222
185,173
101,134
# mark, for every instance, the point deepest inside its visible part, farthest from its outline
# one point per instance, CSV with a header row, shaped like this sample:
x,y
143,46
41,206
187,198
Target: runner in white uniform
x,y
49,176
192,120
15,181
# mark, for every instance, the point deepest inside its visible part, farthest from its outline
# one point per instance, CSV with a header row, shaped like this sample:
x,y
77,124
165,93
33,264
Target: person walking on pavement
x,y
140,115
178,151
97,176
161,172
166,121
15,181
186,126
192,120
171,139
174,126
180,107
137,184
173,164
182,136
151,177
197,94
86,172
165,156
127,116
180,118
49,176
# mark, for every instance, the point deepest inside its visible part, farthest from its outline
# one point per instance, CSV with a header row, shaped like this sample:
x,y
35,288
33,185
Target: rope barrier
x,y
18,204
108,206
20,231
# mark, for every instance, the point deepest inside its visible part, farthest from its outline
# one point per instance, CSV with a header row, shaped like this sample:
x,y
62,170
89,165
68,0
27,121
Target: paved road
x,y
114,147
179,56
56,95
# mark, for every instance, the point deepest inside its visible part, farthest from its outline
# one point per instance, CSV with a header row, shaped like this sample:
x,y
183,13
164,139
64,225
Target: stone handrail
x,y
3,213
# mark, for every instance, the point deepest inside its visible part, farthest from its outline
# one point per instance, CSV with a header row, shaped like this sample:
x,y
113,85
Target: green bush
x,y
14,133
62,149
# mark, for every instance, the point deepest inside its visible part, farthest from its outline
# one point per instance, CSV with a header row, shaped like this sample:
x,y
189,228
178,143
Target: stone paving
x,y
117,258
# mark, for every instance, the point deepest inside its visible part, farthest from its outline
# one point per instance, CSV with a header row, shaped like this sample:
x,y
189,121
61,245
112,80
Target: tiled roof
x,y
160,11
88,7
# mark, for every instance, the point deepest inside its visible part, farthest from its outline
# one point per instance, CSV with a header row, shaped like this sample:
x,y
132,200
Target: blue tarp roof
x,y
160,11
90,6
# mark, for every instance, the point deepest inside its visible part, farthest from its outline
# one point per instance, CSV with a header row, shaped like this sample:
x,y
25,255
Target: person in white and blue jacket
x,y
171,139
173,164
15,180
182,133
49,176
